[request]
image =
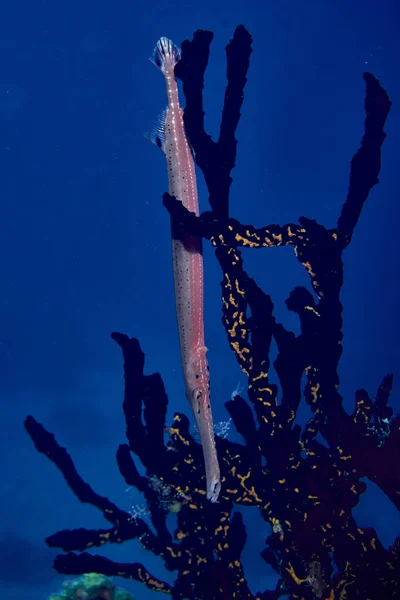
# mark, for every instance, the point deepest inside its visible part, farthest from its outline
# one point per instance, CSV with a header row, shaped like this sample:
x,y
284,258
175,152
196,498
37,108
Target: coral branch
x,y
305,490
366,163
215,159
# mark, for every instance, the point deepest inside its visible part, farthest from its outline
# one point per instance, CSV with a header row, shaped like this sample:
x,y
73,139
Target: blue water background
x,y
85,241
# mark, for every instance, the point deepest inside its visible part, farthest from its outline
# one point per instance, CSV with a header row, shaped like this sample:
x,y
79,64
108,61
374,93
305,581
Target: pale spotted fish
x,y
187,264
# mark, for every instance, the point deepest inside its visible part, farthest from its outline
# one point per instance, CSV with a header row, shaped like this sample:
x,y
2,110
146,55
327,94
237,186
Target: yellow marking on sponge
x,y
312,309
250,234
308,268
251,491
245,242
239,291
171,551
296,579
262,375
227,281
267,242
232,331
174,431
314,391
236,347
232,301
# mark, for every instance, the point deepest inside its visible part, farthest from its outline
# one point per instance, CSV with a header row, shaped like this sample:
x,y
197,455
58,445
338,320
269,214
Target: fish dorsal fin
x,y
156,135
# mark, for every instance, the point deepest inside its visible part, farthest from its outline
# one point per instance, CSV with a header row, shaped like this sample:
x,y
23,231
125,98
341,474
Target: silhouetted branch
x,y
366,163
215,159
305,490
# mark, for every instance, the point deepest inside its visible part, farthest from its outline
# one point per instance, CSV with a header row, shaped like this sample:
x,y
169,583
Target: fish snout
x,y
213,490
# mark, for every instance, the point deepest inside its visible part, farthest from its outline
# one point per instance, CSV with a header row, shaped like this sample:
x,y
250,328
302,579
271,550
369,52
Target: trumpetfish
x,y
187,258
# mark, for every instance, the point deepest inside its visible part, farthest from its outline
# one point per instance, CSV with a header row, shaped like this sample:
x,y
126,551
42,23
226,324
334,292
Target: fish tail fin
x,y
165,54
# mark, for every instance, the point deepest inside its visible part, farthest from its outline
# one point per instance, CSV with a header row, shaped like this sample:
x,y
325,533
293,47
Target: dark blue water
x,y
85,241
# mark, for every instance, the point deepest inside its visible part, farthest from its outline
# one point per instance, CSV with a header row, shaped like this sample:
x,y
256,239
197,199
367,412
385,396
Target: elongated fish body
x,y
187,265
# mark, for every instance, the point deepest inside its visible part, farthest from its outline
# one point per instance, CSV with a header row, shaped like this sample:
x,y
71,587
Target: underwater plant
x,y
304,489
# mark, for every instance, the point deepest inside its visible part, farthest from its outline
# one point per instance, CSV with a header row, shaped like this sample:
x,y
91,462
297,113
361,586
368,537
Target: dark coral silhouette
x,y
305,490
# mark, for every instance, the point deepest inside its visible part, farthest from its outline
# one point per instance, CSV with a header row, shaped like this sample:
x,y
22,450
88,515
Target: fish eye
x,y
197,394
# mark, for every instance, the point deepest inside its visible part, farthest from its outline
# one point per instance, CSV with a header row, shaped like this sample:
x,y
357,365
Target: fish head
x,y
213,489
198,393
198,382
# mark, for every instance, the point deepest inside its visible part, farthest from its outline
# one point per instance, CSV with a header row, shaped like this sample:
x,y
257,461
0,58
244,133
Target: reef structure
x,y
305,490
